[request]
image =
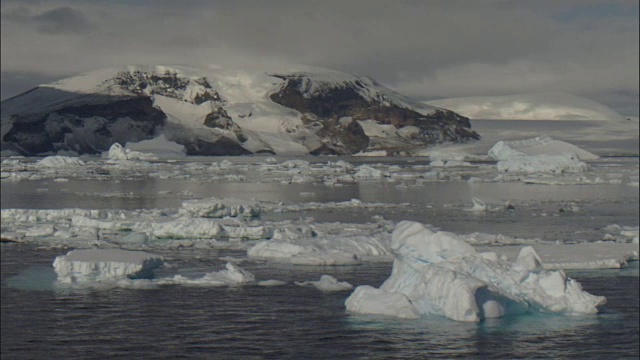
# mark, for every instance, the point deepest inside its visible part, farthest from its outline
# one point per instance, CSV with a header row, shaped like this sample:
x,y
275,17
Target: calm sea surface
x,y
286,322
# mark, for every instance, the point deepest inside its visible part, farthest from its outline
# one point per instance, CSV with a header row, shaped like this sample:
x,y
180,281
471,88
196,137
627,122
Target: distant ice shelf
x,y
534,106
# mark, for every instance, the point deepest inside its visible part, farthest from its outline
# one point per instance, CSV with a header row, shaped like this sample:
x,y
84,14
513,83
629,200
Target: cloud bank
x,y
426,49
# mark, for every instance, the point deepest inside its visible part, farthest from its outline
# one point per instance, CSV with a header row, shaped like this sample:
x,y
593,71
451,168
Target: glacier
x,y
438,273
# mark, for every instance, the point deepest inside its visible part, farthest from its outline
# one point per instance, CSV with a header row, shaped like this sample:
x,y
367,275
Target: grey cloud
x,y
428,49
62,20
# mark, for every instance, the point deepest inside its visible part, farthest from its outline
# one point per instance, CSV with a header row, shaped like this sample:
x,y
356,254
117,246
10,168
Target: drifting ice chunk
x,y
540,155
554,164
160,147
328,283
104,264
543,145
440,274
60,161
231,276
219,208
300,255
367,172
117,152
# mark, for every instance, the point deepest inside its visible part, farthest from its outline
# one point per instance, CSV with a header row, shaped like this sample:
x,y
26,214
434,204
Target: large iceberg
x,y
91,265
541,145
439,273
540,155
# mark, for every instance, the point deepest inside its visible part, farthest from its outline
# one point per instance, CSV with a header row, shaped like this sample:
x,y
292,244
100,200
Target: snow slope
x,y
213,111
535,106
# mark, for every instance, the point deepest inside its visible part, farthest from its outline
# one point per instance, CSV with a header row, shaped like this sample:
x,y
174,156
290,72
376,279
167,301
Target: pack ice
x,y
439,273
104,264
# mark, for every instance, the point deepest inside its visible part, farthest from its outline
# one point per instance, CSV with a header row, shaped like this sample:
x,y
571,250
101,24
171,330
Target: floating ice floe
x,y
160,147
118,152
219,208
300,254
438,273
232,275
60,161
328,283
91,265
540,155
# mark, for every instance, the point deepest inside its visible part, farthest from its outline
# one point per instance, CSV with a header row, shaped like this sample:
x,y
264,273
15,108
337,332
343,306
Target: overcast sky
x,y
426,49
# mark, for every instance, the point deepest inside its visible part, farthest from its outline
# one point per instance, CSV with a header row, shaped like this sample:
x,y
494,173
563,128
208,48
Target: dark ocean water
x,y
285,322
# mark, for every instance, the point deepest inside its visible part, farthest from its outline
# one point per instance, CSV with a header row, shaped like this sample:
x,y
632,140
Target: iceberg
x,y
439,273
160,147
79,266
117,153
540,155
542,145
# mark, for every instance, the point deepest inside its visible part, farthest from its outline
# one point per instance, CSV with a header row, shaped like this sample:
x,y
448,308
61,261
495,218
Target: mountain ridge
x,y
222,111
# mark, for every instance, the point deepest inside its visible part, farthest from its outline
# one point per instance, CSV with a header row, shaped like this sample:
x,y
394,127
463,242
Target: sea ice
x,y
219,208
440,274
104,264
328,283
160,147
117,152
232,275
60,161
301,254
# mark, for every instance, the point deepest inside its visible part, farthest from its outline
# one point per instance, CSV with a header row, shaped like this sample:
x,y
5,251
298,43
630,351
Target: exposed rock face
x,y
223,112
87,129
325,105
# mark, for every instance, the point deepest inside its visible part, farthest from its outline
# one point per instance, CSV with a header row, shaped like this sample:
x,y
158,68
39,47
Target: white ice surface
x,y
92,265
232,275
540,155
543,145
440,274
117,152
60,161
160,147
328,283
219,208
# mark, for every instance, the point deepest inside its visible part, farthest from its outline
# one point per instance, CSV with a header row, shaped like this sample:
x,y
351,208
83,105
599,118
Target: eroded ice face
x,y
438,273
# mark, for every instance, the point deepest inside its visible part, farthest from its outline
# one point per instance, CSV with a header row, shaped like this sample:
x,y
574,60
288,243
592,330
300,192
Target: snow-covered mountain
x,y
222,111
535,106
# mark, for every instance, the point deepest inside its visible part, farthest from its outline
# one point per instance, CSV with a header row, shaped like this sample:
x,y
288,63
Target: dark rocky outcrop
x,y
326,105
168,84
89,128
